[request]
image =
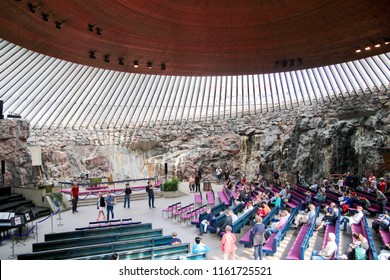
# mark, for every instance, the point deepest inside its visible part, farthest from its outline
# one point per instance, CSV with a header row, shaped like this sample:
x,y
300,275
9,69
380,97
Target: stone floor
x,y
140,211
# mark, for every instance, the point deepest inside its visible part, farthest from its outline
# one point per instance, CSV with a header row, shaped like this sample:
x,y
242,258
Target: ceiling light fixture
x,y
106,58
31,7
58,24
121,61
45,16
299,63
90,27
162,66
367,48
358,50
149,64
136,65
92,54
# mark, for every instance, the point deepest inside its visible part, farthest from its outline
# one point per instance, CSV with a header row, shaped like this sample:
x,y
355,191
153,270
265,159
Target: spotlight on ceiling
x,y
136,65
162,66
99,31
92,54
358,50
121,61
291,62
367,48
387,41
90,27
32,7
106,58
58,24
149,64
377,45
284,63
45,16
299,62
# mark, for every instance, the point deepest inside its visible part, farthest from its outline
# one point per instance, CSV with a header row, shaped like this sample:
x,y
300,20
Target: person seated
x,y
307,201
199,247
346,202
263,210
305,218
248,206
330,217
355,219
206,222
227,222
328,252
321,196
314,186
276,200
357,250
277,224
174,240
385,253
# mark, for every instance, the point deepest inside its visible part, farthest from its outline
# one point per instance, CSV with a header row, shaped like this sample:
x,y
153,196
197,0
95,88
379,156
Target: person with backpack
x,y
357,250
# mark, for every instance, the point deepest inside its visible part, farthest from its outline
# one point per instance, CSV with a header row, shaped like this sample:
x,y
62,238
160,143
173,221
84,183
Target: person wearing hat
x,y
128,191
328,252
199,247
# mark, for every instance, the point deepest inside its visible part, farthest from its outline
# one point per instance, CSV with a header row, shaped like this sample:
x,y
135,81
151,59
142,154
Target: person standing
x,y
101,206
74,193
258,231
228,244
150,191
226,174
128,191
110,201
218,172
197,181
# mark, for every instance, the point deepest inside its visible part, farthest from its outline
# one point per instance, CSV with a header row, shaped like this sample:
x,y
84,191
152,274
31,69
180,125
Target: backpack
x,y
360,253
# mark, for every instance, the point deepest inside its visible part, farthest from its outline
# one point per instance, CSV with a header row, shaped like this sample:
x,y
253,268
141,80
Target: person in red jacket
x,y
74,193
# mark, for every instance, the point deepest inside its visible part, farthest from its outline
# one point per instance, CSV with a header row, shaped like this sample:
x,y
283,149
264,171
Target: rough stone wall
x,y
343,135
14,151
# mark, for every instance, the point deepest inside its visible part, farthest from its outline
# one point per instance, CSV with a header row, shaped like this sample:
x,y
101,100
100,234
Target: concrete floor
x,y
140,211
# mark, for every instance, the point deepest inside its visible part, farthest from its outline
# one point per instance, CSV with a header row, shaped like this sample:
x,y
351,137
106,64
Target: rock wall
x,y
14,151
336,136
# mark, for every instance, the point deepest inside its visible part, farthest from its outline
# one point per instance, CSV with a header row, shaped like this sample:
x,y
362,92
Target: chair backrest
x,y
198,198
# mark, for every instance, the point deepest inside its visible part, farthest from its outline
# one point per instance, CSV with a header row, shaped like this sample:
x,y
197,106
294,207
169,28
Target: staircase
x,y
13,202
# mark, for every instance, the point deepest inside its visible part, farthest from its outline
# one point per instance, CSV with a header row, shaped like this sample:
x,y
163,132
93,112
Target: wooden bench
x,y
244,219
301,243
247,238
115,223
150,253
274,240
97,232
86,241
225,198
216,210
103,248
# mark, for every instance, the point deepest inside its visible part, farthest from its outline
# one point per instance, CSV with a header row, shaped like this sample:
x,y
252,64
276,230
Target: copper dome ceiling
x,y
198,38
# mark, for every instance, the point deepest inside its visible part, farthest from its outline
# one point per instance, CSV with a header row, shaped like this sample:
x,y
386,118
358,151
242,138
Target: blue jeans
x,y
270,231
315,256
127,199
344,221
110,209
258,252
